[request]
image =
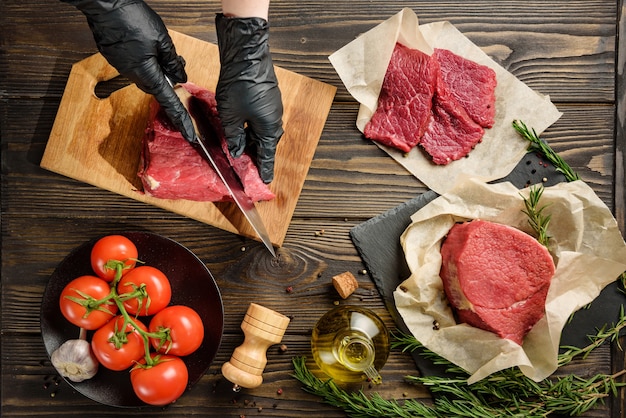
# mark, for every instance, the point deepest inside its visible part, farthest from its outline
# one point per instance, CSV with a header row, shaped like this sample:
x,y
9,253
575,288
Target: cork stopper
x,y
345,284
262,327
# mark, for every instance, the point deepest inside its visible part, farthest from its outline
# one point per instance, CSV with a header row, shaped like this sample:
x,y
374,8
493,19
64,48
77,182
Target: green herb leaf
x,y
536,219
538,145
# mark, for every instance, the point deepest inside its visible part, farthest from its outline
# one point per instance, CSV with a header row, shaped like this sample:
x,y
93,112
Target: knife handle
x,y
262,328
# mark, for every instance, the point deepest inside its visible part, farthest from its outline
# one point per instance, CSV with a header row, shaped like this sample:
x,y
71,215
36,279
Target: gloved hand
x,y
134,40
248,98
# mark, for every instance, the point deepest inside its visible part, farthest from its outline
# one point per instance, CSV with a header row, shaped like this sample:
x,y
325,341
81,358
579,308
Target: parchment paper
x,y
587,246
362,64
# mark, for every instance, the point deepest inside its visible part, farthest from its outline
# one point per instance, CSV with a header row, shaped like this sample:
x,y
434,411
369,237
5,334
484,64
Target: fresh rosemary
x,y
357,404
504,393
538,145
536,219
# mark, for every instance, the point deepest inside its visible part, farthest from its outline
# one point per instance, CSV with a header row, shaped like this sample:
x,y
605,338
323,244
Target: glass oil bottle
x,y
350,344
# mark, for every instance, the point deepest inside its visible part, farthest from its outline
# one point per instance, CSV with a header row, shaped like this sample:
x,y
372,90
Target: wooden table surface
x,y
568,50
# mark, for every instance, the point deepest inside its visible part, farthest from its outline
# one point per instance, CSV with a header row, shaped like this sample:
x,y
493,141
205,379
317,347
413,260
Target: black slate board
x,y
378,243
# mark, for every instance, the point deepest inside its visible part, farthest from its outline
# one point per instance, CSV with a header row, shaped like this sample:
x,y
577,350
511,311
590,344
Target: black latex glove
x,y
134,40
248,98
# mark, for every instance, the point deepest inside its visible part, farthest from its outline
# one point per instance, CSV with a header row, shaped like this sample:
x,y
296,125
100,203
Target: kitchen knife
x,y
219,161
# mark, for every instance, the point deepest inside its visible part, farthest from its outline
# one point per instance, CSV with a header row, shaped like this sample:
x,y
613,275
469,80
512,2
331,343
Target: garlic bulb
x,y
75,360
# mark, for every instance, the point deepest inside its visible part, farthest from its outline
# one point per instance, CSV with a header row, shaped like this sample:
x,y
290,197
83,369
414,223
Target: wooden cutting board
x,y
98,141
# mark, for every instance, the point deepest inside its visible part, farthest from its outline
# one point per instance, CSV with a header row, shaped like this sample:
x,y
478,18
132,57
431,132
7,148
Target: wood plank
x,y
618,355
620,121
573,51
566,52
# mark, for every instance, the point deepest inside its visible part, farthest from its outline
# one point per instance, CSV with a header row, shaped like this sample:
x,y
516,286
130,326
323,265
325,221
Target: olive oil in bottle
x,y
350,344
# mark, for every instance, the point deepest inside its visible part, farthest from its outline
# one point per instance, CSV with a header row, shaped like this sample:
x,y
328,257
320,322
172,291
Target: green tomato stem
x,y
91,304
161,335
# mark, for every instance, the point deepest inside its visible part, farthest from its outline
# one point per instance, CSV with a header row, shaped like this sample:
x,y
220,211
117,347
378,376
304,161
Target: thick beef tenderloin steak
x,y
496,277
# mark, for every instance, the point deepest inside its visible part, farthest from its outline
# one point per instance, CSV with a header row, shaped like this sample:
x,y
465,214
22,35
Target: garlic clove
x,y
75,360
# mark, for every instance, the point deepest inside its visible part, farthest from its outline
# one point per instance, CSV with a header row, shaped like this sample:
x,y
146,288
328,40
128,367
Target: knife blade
x,y
214,153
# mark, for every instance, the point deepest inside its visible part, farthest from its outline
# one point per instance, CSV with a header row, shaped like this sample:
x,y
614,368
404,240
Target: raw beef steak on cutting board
x,y
171,168
441,102
496,277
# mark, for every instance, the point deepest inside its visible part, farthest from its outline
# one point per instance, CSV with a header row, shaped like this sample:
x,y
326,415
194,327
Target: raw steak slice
x,y
473,85
451,133
405,99
171,168
496,277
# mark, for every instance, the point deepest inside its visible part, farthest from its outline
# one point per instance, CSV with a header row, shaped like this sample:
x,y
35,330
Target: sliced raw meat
x,y
496,277
473,85
171,168
405,99
451,133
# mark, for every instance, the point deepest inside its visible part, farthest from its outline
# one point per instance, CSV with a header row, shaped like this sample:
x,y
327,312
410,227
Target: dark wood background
x,y
574,51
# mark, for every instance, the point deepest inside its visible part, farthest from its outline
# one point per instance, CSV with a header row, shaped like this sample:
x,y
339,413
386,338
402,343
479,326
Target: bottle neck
x,y
354,350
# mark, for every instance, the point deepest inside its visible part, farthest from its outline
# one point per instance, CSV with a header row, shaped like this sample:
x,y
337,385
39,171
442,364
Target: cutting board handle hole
x,y
107,87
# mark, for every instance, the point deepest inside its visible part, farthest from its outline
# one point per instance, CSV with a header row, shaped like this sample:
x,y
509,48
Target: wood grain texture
x,y
618,404
573,51
620,119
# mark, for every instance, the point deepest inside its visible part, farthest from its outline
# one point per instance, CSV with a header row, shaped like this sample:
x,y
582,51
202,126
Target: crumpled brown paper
x,y
362,64
587,247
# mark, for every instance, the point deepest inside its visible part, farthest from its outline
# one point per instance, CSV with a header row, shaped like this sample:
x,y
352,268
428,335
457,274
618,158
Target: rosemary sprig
x,y
511,392
504,393
602,335
538,145
536,219
358,404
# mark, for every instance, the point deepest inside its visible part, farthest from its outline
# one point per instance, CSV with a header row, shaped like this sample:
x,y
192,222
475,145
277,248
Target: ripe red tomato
x,y
77,302
117,348
162,383
112,247
154,286
186,330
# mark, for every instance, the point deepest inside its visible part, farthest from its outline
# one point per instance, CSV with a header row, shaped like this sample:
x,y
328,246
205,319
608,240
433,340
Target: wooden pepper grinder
x,y
262,327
